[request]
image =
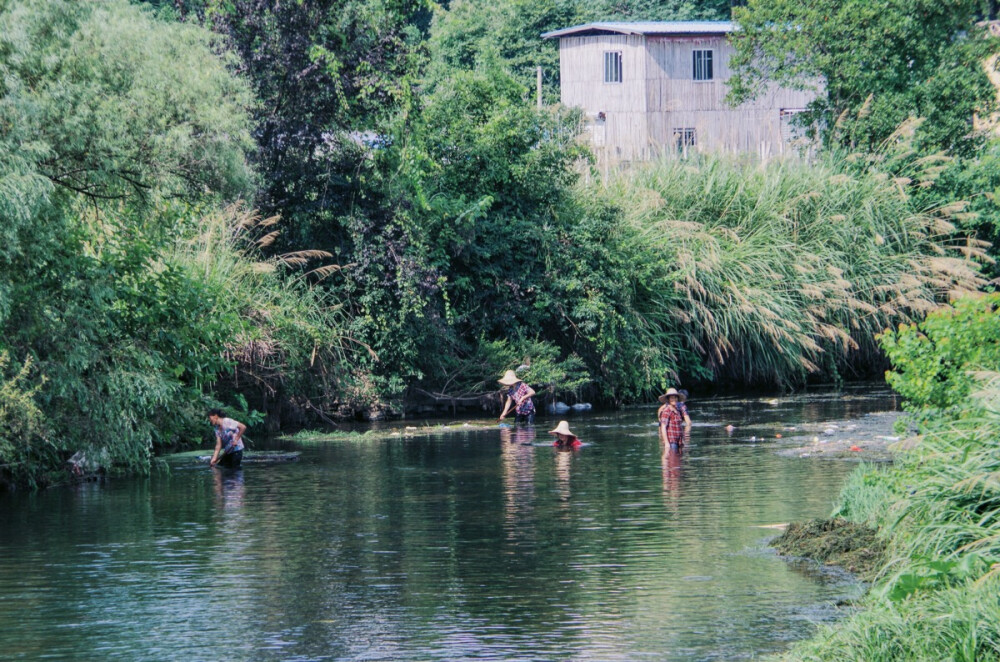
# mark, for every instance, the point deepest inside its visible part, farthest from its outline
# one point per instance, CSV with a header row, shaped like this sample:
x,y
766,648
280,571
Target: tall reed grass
x,y
287,338
772,272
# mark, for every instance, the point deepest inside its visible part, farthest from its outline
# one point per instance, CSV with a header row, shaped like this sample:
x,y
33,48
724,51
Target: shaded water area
x,y
479,544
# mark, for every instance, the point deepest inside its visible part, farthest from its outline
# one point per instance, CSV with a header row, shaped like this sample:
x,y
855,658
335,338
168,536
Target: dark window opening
x,y
684,139
703,65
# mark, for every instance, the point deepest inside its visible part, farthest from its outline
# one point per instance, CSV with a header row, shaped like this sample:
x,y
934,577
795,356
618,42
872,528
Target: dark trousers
x,y
525,419
231,460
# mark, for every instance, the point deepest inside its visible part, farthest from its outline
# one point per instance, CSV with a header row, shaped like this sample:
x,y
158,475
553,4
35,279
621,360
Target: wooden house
x,y
650,89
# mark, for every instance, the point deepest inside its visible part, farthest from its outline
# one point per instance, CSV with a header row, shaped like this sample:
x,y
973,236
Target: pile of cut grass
x,y
836,541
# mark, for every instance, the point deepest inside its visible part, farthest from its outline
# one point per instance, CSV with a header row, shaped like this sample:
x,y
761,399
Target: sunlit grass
x,y
936,598
774,271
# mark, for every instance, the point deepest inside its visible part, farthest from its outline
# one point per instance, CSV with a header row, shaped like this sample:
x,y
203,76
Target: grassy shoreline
x,y
936,508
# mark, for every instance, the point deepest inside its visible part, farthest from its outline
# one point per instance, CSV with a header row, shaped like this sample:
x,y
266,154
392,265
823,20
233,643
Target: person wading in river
x,y
519,398
228,440
565,440
674,422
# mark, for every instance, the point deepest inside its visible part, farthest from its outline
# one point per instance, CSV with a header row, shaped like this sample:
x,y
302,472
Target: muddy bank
x,y
853,547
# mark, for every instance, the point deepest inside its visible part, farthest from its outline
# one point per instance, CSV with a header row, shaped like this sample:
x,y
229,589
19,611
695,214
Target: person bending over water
x,y
674,422
228,440
519,398
565,440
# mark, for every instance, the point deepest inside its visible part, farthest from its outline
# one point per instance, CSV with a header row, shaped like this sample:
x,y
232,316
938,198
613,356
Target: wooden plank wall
x,y
621,134
659,95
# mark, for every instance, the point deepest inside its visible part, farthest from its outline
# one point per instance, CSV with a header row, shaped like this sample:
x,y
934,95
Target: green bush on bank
x,y
939,504
121,134
938,360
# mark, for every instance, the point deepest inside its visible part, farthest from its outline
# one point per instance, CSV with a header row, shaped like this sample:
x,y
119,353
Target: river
x,y
469,545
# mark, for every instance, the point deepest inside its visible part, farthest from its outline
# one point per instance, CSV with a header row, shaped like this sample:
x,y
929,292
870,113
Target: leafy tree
x,y
111,120
878,63
937,362
657,10
505,34
327,76
476,179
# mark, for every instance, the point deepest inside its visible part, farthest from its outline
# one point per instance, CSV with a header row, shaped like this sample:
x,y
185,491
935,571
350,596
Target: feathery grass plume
x,y
290,338
769,272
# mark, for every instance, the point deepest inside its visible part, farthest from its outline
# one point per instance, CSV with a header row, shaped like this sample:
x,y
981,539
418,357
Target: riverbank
x,y
936,507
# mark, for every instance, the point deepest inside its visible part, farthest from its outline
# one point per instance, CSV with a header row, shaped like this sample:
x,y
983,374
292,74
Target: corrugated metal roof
x,y
646,28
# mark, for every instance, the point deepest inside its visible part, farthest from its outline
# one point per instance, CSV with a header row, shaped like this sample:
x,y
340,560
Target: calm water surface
x,y
470,545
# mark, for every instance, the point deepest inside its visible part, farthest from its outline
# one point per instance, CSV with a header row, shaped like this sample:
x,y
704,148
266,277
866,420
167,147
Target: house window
x,y
791,130
613,67
684,139
703,65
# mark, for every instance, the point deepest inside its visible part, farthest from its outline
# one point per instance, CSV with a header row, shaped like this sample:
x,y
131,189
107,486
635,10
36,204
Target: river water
x,y
470,545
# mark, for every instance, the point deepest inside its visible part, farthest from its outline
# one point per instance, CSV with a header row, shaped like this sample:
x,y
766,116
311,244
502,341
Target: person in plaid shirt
x,y
519,398
674,422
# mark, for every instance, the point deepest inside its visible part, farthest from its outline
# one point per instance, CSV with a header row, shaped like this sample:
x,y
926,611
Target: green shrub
x,y
24,440
936,362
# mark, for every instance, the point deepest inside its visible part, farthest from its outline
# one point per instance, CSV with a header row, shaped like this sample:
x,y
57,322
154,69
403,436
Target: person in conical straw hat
x,y
565,437
673,420
518,398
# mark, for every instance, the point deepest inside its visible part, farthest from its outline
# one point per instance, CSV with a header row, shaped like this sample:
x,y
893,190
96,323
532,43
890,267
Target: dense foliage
x,y
117,127
877,64
413,224
939,360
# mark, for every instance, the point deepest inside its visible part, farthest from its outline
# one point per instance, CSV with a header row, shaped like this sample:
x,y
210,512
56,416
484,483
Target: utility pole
x,y
538,85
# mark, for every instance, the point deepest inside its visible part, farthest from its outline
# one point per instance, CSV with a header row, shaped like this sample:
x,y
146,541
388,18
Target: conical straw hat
x,y
562,428
671,391
509,378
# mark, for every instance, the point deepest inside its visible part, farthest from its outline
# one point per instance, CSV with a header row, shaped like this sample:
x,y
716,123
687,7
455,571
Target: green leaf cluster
x,y
938,362
120,133
876,64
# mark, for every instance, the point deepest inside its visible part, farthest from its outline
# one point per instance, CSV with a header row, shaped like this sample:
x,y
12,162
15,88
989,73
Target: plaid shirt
x,y
519,394
672,419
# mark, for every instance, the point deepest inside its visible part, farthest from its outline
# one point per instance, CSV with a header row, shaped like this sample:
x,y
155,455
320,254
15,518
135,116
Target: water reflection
x,y
564,461
483,544
229,487
518,466
670,459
